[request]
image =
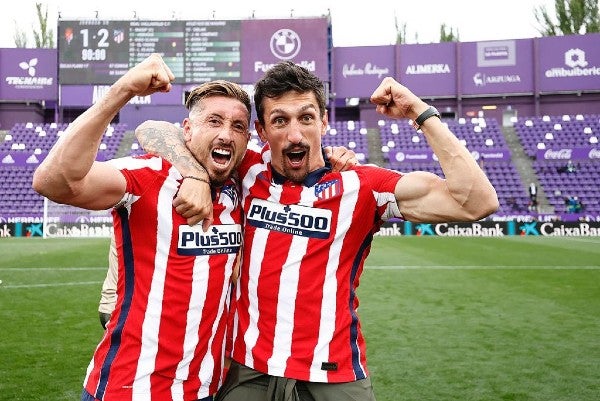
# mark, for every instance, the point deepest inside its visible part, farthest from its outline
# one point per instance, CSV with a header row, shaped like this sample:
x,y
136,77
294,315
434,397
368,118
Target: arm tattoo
x,y
166,140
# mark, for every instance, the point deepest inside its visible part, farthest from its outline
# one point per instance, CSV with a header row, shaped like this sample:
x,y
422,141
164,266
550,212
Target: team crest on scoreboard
x,y
328,189
118,35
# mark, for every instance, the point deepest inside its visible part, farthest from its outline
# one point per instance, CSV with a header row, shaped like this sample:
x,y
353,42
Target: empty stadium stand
x,y
548,143
566,157
22,148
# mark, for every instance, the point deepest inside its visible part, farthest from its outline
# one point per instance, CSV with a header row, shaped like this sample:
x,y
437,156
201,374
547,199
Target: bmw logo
x,y
285,44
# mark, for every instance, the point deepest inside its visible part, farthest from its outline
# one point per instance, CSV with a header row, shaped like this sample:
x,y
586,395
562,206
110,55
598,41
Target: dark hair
x,y
285,77
219,88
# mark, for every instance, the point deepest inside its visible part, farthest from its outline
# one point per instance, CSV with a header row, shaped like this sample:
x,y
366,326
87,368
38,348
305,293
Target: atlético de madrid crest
x,y
328,189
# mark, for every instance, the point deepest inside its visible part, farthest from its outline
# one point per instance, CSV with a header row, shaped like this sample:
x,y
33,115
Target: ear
x,y
260,130
325,122
187,129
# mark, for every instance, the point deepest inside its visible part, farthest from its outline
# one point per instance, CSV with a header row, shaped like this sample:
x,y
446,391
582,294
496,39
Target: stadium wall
x,y
549,75
133,115
575,103
12,113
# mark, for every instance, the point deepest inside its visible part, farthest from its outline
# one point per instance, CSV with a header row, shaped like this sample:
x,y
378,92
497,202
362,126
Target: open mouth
x,y
296,157
221,156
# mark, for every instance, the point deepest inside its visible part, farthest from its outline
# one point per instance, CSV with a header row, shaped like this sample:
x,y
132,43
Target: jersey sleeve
x,y
383,184
139,172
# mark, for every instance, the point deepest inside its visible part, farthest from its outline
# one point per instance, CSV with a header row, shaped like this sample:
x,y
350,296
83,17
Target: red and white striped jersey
x,y
165,338
304,250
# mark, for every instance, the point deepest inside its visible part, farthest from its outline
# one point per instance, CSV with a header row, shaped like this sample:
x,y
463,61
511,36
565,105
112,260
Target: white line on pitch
x,y
51,268
49,285
446,267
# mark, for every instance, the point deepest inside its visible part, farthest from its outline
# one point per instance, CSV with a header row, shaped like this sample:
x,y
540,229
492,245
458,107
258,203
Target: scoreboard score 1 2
x,y
101,51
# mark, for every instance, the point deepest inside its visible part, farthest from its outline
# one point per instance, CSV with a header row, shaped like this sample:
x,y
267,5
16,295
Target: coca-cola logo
x,y
594,154
561,154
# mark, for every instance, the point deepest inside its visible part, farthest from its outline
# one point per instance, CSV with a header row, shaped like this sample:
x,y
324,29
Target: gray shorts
x,y
245,384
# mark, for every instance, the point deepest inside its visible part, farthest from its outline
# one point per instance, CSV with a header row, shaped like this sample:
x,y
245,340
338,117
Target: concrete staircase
x,y
374,142
524,166
125,146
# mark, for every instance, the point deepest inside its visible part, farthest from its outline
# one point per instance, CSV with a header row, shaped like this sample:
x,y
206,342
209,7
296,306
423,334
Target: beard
x,y
296,175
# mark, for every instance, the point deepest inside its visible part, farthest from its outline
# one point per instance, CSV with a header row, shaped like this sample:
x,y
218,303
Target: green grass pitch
x,y
514,318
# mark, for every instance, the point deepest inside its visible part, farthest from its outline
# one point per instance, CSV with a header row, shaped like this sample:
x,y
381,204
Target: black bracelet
x,y
430,112
196,178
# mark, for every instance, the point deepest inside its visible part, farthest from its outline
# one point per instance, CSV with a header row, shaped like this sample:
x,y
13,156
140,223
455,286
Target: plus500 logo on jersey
x,y
292,219
219,239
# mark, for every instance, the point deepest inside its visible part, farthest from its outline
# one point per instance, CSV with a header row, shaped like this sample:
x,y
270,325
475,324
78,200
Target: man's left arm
x,y
340,158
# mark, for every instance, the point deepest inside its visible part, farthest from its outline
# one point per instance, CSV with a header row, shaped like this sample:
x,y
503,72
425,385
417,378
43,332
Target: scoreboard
x,y
100,51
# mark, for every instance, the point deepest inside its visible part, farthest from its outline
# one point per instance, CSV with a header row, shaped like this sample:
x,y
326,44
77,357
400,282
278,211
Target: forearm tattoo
x,y
168,142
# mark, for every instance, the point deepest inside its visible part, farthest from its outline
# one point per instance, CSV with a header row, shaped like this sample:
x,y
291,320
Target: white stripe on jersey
x,y
288,285
151,324
132,163
350,184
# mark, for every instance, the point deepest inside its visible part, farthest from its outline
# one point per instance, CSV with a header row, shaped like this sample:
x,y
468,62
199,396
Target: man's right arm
x,y
193,200
465,194
70,174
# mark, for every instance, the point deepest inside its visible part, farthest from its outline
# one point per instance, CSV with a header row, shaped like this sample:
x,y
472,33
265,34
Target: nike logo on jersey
x,y
292,219
219,239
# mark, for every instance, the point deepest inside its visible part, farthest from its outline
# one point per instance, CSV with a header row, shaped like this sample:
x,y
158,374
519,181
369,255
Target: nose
x,y
295,133
226,133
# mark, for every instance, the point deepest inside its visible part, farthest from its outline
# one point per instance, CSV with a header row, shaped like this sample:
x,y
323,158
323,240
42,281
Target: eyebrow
x,y
218,115
302,109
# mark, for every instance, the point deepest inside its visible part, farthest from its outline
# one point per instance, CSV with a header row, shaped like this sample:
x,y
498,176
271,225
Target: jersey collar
x,y
311,179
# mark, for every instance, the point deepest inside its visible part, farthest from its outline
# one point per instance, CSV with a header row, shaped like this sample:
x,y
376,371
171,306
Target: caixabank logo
x,y
424,229
558,229
492,229
475,229
529,228
8,230
580,229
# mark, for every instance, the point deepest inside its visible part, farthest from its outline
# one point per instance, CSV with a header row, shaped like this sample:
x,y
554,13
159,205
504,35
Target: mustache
x,y
297,147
